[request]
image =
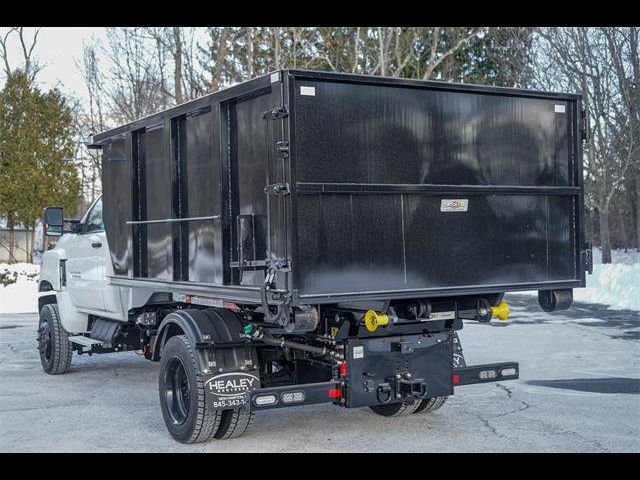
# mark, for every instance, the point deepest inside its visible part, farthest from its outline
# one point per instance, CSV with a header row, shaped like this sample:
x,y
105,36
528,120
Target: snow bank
x,y
616,284
20,294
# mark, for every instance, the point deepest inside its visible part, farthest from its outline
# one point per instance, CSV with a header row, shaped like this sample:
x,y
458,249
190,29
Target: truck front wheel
x,y
182,394
53,342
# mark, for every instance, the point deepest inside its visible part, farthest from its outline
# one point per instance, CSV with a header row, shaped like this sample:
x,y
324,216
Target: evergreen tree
x,y
36,137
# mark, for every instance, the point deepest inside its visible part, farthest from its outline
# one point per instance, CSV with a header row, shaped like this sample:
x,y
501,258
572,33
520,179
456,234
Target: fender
x,y
208,328
50,268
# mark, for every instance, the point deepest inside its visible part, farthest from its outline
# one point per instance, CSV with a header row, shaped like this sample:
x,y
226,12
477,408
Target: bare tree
x,y
134,88
29,64
589,61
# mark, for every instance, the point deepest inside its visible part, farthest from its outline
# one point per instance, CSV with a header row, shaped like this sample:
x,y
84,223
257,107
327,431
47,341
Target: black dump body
x,y
357,188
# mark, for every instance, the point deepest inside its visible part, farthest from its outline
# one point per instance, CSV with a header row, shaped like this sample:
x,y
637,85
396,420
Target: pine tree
x,y
36,136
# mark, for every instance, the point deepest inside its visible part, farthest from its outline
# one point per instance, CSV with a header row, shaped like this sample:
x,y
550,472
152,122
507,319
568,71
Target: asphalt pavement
x,y
579,391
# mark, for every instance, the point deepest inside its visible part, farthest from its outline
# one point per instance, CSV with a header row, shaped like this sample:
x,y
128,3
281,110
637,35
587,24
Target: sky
x,y
58,48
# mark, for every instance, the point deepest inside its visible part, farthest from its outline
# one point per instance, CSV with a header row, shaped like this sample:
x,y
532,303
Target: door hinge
x,y
585,130
276,113
283,149
277,189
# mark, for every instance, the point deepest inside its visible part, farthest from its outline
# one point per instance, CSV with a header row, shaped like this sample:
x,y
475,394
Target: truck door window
x,y
94,221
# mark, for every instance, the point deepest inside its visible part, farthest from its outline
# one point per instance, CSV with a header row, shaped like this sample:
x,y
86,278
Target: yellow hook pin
x,y
373,320
501,311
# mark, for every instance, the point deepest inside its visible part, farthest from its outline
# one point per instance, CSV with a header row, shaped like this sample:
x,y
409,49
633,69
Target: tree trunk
x,y
638,212
277,48
33,239
12,239
216,79
27,247
250,51
605,240
624,237
177,57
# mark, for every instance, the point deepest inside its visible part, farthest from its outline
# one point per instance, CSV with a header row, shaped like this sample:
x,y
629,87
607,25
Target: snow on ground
x,y
616,284
19,287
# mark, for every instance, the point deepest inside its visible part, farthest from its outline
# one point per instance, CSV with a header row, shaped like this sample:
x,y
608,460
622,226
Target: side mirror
x,y
53,221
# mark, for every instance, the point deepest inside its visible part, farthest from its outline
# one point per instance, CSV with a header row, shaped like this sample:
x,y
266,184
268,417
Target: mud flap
x,y
229,390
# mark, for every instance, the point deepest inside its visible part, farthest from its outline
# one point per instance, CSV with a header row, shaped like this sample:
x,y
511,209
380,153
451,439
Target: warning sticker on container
x,y
358,352
560,108
310,91
454,204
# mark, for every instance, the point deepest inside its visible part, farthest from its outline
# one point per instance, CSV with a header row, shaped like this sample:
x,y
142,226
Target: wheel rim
x,y
177,394
44,341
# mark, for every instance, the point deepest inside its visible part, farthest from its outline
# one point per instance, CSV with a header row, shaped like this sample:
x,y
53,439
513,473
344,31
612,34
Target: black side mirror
x,y
53,221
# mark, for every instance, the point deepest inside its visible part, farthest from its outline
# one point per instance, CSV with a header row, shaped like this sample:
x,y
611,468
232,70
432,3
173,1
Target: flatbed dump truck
x,y
308,237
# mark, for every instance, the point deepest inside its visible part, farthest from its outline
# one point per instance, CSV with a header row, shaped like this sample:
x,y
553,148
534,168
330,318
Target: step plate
x,y
84,341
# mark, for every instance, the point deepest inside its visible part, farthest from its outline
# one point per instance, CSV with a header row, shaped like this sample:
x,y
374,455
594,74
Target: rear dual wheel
x,y
183,401
426,405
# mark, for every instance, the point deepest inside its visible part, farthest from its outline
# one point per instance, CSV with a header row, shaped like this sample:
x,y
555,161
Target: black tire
x,y
234,423
182,394
53,342
395,409
432,404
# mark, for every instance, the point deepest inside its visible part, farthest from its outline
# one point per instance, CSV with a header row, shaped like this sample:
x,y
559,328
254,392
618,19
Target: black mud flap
x,y
229,390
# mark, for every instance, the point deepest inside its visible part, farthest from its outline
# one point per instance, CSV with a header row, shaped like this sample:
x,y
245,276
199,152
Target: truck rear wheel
x,y
234,423
395,409
425,405
182,394
53,342
434,403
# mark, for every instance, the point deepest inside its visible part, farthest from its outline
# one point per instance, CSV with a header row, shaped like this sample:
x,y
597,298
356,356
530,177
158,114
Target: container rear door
x,y
256,218
411,189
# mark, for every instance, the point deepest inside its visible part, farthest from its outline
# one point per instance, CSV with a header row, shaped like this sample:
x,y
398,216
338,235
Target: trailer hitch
x,y
402,385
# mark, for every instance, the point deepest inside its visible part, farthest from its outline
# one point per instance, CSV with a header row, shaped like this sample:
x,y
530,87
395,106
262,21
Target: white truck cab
x,y
76,272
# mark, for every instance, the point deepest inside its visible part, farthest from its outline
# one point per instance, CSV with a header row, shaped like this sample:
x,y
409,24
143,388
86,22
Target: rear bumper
x,y
491,372
293,395
332,392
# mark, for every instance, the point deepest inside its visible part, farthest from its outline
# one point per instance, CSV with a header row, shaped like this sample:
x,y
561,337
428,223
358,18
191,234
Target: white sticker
x,y
442,315
358,352
454,205
275,77
560,108
310,91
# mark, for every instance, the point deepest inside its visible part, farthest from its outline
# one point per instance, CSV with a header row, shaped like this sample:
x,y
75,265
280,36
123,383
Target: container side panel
x,y
385,134
159,206
203,179
116,191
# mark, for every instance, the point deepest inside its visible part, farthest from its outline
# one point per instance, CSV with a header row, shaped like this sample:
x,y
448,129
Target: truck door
x,y
89,263
85,261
